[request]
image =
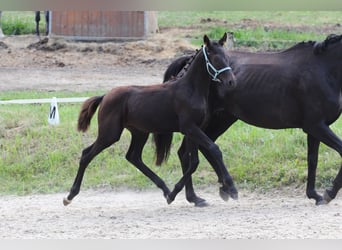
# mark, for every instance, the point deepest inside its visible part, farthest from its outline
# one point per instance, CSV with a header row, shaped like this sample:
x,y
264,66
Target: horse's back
x,y
281,90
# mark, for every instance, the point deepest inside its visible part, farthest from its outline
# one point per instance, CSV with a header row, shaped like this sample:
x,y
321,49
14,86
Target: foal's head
x,y
217,63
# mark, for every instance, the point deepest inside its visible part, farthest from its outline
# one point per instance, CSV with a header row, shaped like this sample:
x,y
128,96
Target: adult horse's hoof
x,y
326,197
201,203
224,195
66,202
321,202
234,196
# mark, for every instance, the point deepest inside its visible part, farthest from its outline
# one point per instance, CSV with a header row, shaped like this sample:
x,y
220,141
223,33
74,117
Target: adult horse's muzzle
x,y
227,83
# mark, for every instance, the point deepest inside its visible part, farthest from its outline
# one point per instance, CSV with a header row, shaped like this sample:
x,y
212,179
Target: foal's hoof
x,y
326,197
169,200
66,202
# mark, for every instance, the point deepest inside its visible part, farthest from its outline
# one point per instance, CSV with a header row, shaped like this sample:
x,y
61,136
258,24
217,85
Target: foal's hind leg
x,y
103,141
134,156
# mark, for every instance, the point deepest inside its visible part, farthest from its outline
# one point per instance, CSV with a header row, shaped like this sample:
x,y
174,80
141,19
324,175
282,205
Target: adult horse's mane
x,y
320,47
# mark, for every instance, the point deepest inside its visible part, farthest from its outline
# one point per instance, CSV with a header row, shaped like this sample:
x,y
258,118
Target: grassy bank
x,y
39,158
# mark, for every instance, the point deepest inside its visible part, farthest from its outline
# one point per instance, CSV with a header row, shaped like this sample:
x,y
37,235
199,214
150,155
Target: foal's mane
x,y
183,71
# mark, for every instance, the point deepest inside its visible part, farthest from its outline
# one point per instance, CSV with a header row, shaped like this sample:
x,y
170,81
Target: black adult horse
x,y
300,87
179,105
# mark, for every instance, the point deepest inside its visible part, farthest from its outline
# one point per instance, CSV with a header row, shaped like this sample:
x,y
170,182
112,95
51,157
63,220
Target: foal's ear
x,y
223,40
206,40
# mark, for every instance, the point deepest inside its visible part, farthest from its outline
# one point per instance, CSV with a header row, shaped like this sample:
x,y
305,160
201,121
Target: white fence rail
x,y
44,100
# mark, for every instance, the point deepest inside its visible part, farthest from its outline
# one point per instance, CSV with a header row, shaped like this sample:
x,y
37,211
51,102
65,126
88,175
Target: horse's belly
x,y
153,123
268,117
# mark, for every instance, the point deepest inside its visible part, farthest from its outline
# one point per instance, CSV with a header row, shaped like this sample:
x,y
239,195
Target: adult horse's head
x,y
217,63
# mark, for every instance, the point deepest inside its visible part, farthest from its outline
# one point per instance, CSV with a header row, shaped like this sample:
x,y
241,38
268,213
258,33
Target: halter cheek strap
x,y
212,71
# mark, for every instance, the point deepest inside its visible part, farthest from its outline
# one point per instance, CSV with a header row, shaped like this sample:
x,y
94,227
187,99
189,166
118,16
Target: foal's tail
x,y
163,146
87,111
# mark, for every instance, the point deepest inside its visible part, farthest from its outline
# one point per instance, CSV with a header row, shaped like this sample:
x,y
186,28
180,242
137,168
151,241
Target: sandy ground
x,y
61,65
145,215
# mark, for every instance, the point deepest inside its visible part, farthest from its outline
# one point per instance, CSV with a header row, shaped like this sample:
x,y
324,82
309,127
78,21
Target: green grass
x,y
270,30
39,158
21,22
294,18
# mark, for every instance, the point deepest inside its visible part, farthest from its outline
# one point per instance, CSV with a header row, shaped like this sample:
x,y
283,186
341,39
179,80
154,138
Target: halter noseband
x,y
211,68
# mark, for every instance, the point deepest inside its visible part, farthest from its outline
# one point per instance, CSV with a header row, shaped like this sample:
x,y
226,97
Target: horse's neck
x,y
197,76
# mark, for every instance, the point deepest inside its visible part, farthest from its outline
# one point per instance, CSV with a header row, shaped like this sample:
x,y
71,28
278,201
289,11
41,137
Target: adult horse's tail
x,y
163,146
87,111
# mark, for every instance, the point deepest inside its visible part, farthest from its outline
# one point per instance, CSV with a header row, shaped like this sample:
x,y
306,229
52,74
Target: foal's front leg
x,y
198,137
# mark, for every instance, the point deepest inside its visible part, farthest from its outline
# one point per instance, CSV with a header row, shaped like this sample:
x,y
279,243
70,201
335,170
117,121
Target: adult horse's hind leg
x,y
134,156
312,158
324,134
189,162
187,159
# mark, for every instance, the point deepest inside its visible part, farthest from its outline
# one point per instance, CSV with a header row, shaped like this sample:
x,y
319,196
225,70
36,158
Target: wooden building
x,y
102,25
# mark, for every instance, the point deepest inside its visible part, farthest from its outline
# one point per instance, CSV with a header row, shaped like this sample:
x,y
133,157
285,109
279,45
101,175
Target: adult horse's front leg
x,y
197,136
330,193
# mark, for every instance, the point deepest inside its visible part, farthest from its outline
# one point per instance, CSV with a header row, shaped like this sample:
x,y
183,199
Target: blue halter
x,y
211,68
